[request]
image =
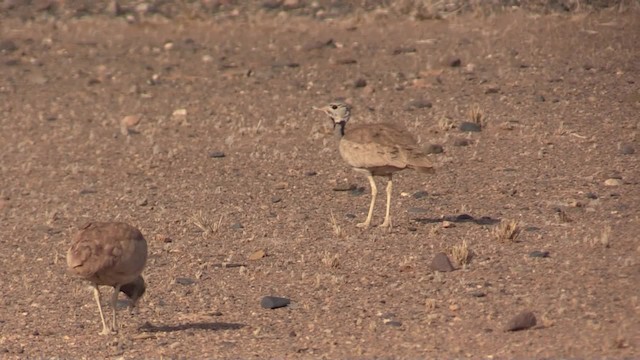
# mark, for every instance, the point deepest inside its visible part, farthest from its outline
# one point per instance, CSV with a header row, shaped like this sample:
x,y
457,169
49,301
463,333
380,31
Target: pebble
x,y
216,154
494,89
434,149
418,104
344,187
454,62
420,194
464,217
448,224
276,199
274,302
360,83
627,149
522,321
539,254
404,50
613,182
441,263
8,46
460,142
394,323
467,126
591,195
143,202
310,173
257,255
185,281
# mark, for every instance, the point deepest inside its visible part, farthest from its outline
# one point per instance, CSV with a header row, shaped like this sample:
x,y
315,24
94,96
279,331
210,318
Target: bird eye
x,y
334,107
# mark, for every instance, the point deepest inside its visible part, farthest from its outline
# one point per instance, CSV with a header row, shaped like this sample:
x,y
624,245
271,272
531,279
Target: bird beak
x,y
323,109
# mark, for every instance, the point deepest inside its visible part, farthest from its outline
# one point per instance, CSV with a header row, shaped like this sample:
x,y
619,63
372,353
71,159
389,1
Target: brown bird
x,y
376,150
113,254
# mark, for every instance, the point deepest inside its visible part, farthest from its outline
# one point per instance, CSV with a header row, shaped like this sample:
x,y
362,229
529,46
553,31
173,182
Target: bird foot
x,y
386,224
107,331
363,225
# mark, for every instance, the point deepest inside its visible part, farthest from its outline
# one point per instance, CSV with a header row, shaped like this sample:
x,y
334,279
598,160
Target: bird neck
x,y
338,129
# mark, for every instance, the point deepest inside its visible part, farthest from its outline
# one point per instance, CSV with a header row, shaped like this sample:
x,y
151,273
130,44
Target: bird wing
x,y
380,145
106,250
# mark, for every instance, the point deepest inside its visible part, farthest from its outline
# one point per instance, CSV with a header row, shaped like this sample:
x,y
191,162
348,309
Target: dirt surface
x,y
558,153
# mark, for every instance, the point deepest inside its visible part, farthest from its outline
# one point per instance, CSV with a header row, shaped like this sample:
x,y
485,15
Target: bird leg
x,y
387,218
114,306
374,192
96,294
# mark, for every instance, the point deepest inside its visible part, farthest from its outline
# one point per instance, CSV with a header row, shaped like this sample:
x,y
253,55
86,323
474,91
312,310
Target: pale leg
x,y
96,294
387,218
114,304
374,192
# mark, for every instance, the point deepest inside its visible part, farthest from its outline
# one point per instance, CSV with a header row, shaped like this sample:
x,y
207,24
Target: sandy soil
x,y
558,154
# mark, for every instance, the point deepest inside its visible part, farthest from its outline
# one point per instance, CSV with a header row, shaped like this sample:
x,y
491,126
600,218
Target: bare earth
x,y
560,96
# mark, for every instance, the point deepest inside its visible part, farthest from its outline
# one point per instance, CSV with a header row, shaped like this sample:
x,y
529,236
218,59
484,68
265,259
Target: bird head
x,y
339,112
134,290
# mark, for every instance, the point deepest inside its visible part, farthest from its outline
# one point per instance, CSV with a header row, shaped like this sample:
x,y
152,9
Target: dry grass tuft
x,y
476,115
461,254
337,229
205,224
507,231
331,261
445,124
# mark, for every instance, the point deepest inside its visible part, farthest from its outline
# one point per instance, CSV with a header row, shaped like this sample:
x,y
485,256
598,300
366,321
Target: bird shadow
x,y
462,218
210,326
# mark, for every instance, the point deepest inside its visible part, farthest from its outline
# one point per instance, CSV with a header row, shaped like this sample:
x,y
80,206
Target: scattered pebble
x,y
420,194
461,142
8,46
276,199
185,281
434,149
360,83
257,255
216,154
454,62
448,224
310,173
627,149
404,50
478,294
394,323
467,126
441,263
143,202
418,104
539,254
522,321
613,182
274,302
591,195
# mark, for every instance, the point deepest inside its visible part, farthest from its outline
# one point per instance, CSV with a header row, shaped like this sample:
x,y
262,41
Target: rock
x,y
539,254
404,50
460,142
257,255
464,217
185,281
591,195
276,199
310,173
344,187
360,83
8,46
346,61
454,62
274,302
492,89
441,263
143,202
613,182
448,224
478,294
418,104
394,323
271,4
627,149
522,321
216,154
420,194
467,126
434,149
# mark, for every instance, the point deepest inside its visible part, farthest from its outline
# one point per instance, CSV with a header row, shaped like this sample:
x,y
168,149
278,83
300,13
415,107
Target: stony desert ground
x,y
196,125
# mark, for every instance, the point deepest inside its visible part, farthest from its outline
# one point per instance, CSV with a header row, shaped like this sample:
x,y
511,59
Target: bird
x,y
112,254
376,150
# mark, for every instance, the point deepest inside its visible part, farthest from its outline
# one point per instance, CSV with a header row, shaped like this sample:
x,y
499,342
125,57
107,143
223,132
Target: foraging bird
x,y
113,254
376,150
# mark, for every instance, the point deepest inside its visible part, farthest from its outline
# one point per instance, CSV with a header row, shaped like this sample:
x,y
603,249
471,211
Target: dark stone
x,y
541,98
522,321
185,281
274,302
420,194
467,126
434,149
8,46
591,195
627,149
492,90
360,83
276,199
88,191
311,173
464,217
455,62
347,61
478,294
539,254
461,142
394,323
441,263
419,104
216,154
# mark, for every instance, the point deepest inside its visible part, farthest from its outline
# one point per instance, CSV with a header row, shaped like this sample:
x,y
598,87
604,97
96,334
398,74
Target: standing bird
x,y
113,254
376,150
